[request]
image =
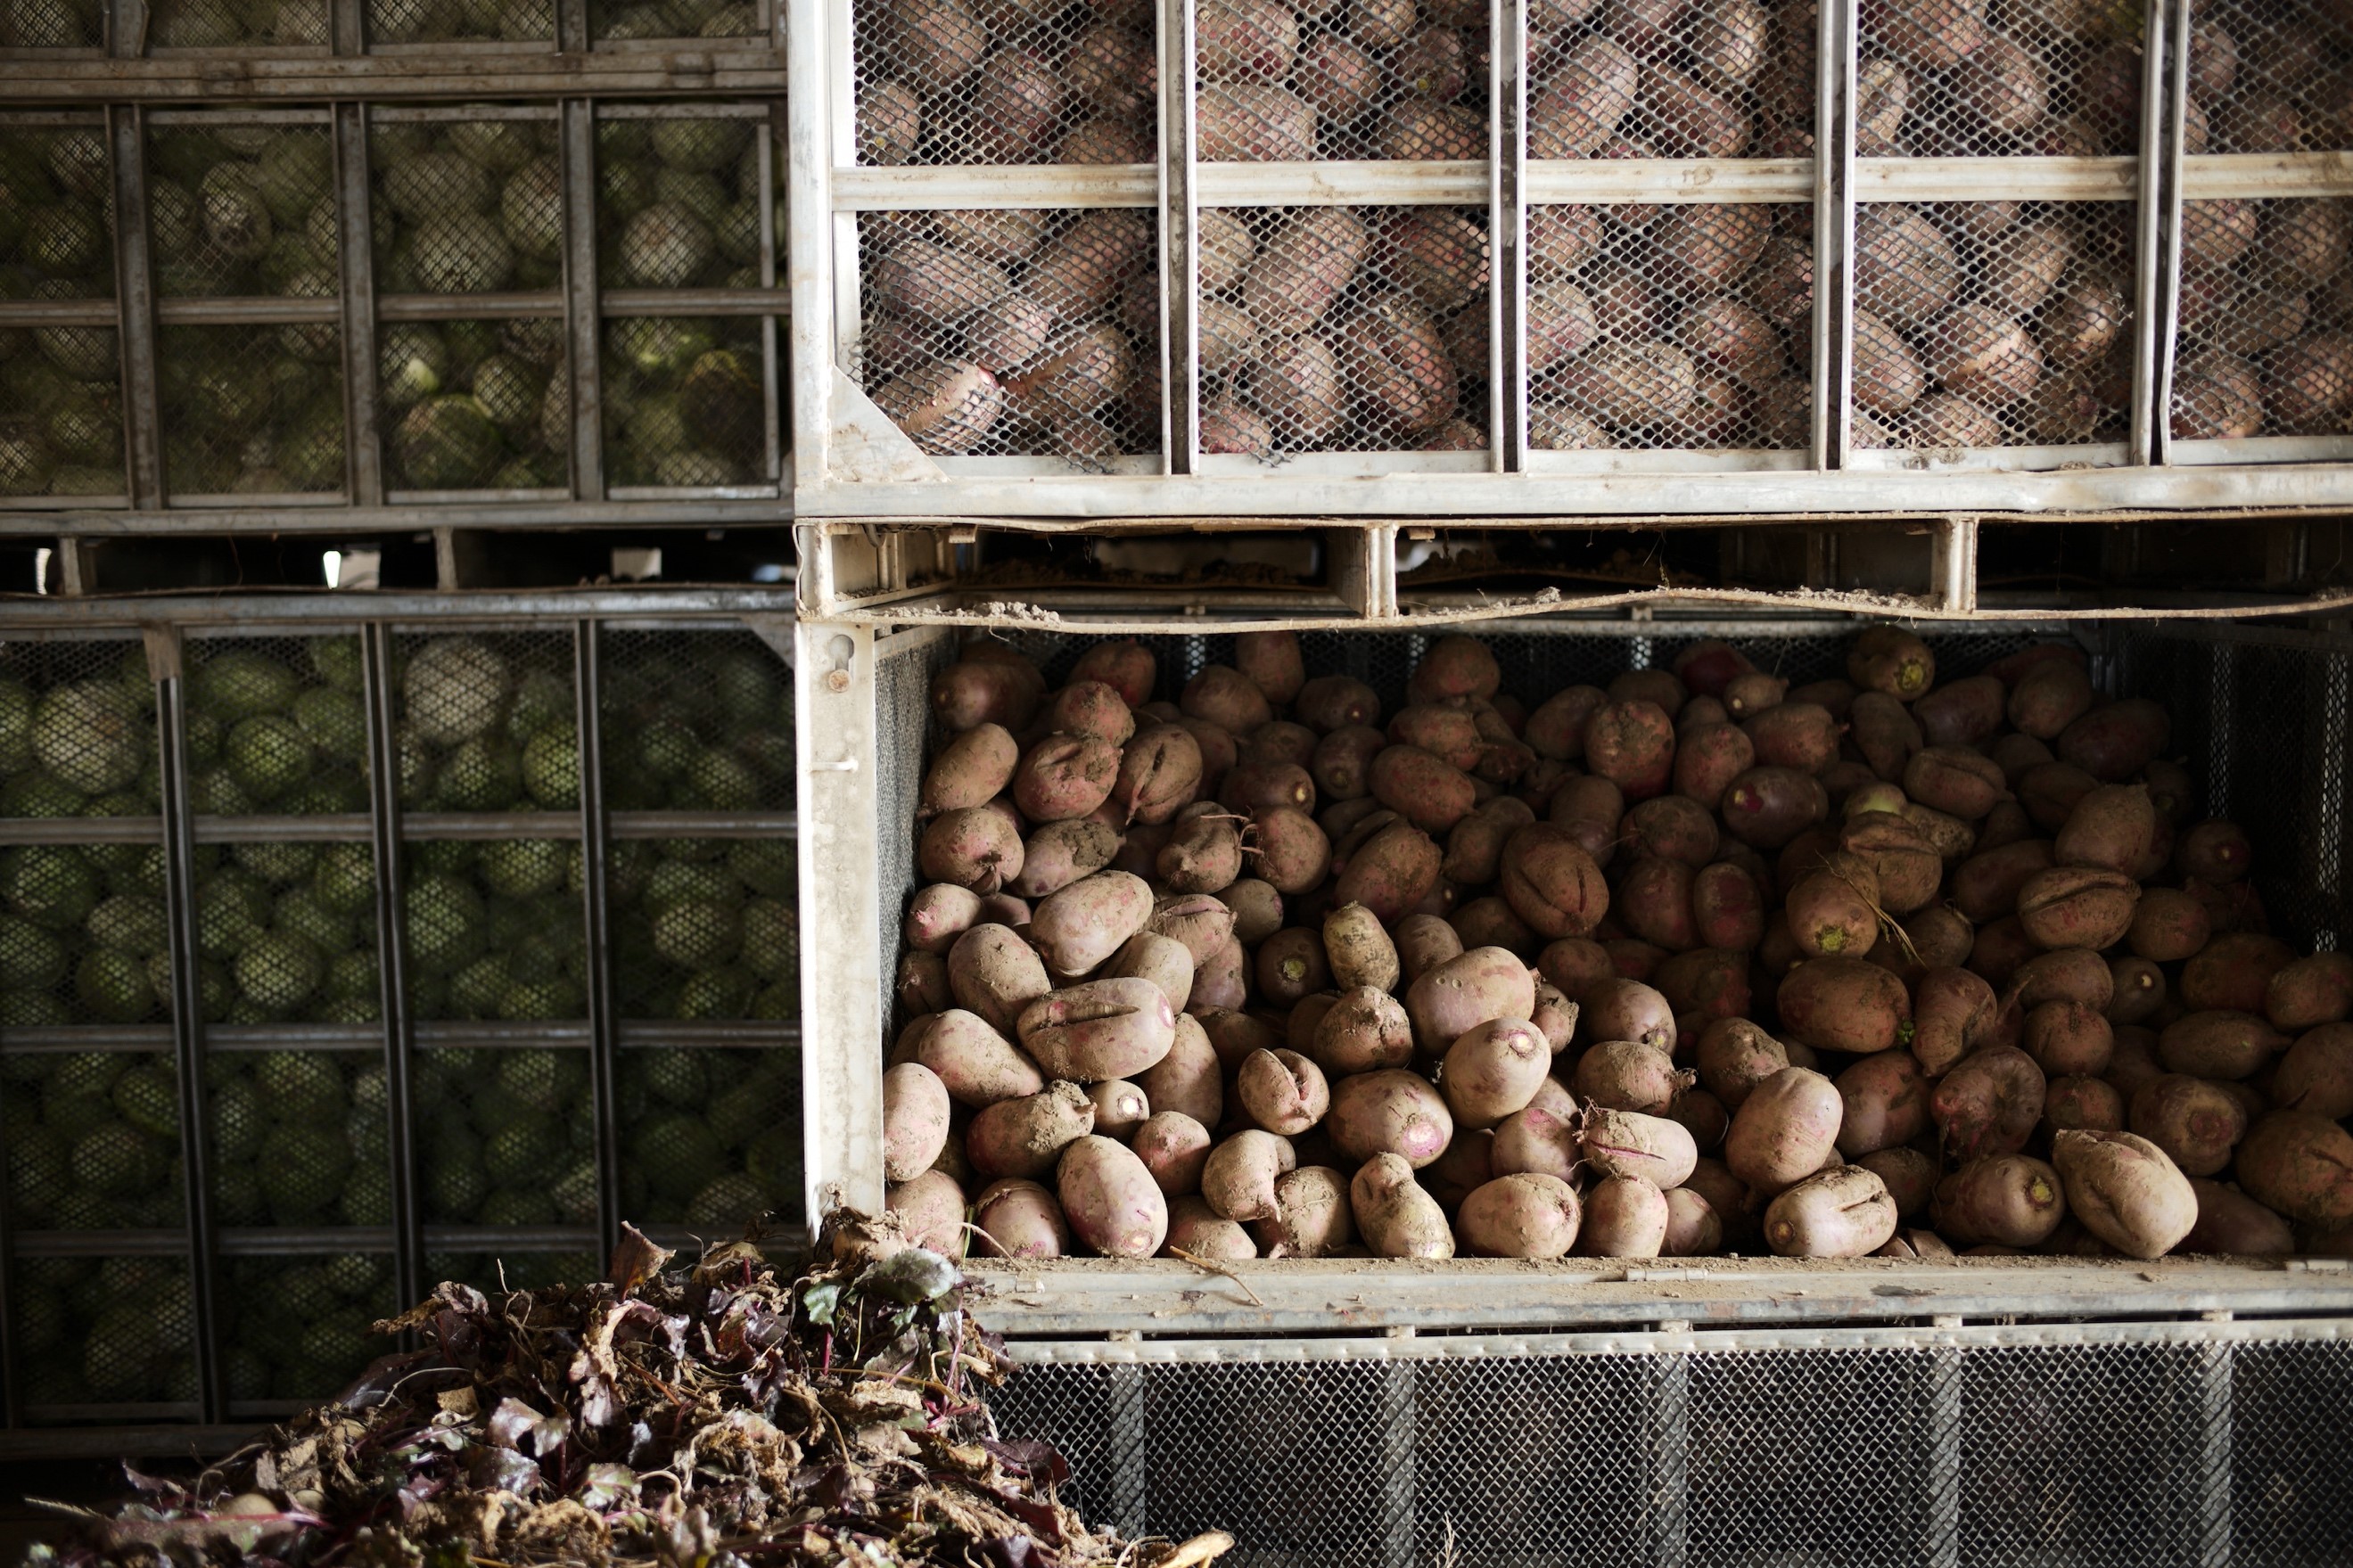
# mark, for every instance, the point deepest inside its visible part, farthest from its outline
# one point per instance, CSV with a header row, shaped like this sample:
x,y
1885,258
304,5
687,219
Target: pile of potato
x,y
1700,963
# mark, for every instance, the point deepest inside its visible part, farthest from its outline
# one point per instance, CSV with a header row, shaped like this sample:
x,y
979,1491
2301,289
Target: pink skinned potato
x,y
1110,1200
1390,1110
2124,1191
931,1208
1019,1219
1785,1130
1524,1216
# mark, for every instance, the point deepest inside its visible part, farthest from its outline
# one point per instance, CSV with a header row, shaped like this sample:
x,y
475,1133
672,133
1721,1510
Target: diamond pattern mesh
x,y
506,1137
1652,80
297,1328
99,1336
2059,1455
1992,324
1342,329
711,1138
696,721
219,24
299,1137
93,1140
2268,78
278,725
1371,81
472,405
469,206
60,385
1955,79
1007,81
57,210
2263,349
77,729
460,21
1014,332
1672,327
705,929
252,411
685,404
616,21
246,210
52,25
678,203
495,930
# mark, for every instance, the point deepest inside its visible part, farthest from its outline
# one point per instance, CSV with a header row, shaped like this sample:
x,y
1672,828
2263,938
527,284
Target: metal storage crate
x,y
390,315
192,51
1512,261
464,930
1672,1411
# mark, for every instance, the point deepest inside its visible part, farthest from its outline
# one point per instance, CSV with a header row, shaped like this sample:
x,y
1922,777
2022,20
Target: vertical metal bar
x,y
1942,1549
1670,1458
1400,1435
391,959
363,441
1131,1463
1833,433
12,1403
603,1092
126,28
572,30
2165,98
1953,564
134,295
819,115
347,27
1507,231
837,753
2215,1420
187,1010
772,132
1180,286
584,331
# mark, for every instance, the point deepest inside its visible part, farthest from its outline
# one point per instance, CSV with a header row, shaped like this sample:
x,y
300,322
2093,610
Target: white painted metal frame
x,y
851,464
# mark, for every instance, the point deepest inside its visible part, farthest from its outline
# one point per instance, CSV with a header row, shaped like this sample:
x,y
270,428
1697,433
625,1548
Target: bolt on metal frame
x,y
359,310
838,473
602,1032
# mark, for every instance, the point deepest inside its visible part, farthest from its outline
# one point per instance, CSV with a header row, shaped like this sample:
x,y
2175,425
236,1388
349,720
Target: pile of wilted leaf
x,y
711,1417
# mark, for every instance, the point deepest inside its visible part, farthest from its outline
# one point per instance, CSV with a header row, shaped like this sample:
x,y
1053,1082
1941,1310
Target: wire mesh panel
x,y
82,940
2268,78
1965,79
620,21
298,1137
57,210
679,202
1342,329
60,383
1670,328
704,928
710,1138
299,1327
465,206
506,1137
1013,332
217,24
1992,324
460,21
2265,302
1648,80
1010,81
475,404
2059,1455
277,940
93,1140
252,411
685,400
77,729
494,930
696,721
1283,84
237,209
104,1339
52,25
276,726
486,721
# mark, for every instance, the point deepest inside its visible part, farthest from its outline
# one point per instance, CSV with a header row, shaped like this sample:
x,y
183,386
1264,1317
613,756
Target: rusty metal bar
x,y
583,335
